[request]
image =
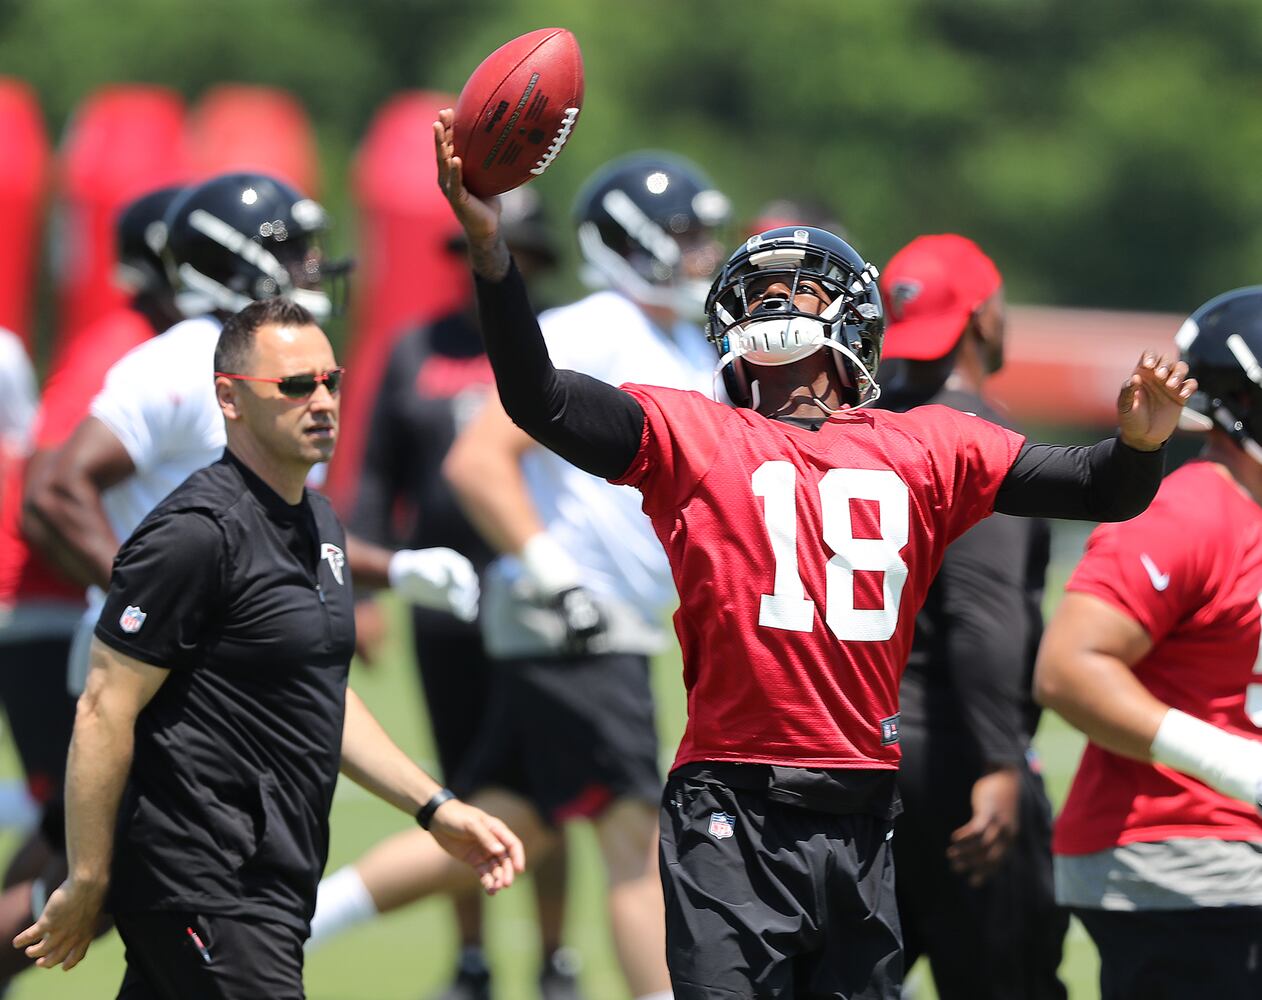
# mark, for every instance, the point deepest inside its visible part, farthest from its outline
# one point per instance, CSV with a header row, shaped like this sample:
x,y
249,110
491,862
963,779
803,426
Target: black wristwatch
x,y
425,814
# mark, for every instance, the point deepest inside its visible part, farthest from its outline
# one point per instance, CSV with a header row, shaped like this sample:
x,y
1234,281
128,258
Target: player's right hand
x,y
480,218
67,926
979,847
580,615
481,840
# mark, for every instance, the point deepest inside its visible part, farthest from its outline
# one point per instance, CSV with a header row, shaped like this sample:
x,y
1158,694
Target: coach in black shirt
x,y
973,846
218,677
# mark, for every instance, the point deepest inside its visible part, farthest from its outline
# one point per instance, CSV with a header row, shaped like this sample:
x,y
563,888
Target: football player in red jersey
x,y
803,531
1154,654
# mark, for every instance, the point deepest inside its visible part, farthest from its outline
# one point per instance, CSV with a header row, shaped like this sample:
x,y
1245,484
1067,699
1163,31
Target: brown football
x,y
517,110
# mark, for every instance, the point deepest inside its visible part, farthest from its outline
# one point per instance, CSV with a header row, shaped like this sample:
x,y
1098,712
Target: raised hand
x,y
480,218
1151,400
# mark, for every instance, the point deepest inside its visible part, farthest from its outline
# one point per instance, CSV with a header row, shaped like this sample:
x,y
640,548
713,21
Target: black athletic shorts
x,y
40,710
183,956
571,735
455,675
1214,953
765,899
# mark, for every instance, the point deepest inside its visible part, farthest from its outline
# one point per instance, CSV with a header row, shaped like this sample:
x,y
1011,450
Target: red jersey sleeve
x,y
679,443
1146,569
971,457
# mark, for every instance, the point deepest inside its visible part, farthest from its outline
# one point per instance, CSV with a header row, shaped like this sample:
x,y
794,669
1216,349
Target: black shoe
x,y
559,978
467,986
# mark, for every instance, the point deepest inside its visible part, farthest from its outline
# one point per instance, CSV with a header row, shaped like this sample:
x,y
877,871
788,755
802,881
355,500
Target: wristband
x,y
425,815
1228,763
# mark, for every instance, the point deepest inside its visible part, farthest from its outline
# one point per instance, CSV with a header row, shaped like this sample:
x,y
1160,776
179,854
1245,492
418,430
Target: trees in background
x,y
1105,154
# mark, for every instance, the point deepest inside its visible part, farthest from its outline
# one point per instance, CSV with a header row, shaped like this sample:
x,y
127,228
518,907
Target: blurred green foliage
x,y
1105,154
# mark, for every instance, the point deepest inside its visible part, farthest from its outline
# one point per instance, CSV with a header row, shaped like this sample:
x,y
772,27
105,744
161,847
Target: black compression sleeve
x,y
595,426
1107,481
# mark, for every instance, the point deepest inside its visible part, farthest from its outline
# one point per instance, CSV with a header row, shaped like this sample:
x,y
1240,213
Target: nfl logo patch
x,y
131,619
721,825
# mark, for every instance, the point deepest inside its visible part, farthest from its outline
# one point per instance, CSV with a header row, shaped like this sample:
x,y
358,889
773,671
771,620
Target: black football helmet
x,y
1222,345
637,218
140,236
772,332
241,237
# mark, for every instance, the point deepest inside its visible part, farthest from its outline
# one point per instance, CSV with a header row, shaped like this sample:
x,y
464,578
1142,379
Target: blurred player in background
x,y
574,608
973,845
232,239
44,606
1154,654
797,612
435,382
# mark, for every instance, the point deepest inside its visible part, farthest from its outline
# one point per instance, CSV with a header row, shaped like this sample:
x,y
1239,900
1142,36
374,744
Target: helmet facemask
x,y
752,328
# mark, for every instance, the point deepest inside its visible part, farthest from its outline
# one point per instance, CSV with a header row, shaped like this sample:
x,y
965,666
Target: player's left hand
x,y
481,840
1151,400
436,578
980,845
67,926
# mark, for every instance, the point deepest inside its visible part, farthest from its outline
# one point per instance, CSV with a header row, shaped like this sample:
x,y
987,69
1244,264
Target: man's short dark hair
x,y
236,339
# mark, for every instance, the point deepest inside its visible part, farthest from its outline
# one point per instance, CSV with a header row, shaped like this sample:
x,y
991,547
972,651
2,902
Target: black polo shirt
x,y
247,601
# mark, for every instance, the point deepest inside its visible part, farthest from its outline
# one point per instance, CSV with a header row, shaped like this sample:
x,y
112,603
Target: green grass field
x,y
408,955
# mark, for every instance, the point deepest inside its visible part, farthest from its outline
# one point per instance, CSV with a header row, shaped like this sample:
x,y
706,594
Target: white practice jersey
x,y
600,525
18,394
159,401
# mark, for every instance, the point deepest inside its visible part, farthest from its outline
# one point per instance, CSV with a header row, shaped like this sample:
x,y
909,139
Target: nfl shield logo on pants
x,y
131,619
721,824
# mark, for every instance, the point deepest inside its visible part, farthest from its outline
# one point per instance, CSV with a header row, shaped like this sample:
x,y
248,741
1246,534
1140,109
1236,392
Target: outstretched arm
x,y
588,423
371,759
1113,480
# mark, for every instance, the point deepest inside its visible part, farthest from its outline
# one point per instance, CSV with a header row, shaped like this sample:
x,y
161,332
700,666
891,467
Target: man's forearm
x,y
373,761
370,564
490,259
96,773
65,520
493,495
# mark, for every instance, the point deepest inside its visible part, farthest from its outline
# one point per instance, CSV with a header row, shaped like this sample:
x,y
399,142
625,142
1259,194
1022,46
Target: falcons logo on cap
x,y
902,294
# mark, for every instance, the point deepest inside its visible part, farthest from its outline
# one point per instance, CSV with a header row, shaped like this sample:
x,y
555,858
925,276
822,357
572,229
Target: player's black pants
x,y
1206,954
765,899
456,676
1002,940
184,956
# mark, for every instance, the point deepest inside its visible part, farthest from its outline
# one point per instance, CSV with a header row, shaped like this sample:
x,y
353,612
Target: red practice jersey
x,y
801,558
1189,570
77,376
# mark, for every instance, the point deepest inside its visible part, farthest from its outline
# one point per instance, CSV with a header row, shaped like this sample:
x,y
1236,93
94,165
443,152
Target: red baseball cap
x,y
931,287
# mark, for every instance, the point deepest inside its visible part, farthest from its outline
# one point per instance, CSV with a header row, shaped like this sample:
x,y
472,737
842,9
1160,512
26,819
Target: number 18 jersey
x,y
801,558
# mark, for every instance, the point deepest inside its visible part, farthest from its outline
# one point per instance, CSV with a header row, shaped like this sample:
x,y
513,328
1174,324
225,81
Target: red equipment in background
x,y
23,179
406,273
1065,367
123,141
240,127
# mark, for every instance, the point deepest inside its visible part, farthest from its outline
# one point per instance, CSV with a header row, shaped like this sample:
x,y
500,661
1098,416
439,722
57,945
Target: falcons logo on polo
x,y
336,558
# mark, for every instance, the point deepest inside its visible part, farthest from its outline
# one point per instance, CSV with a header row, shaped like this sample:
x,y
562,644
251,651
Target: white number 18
x,y
787,606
